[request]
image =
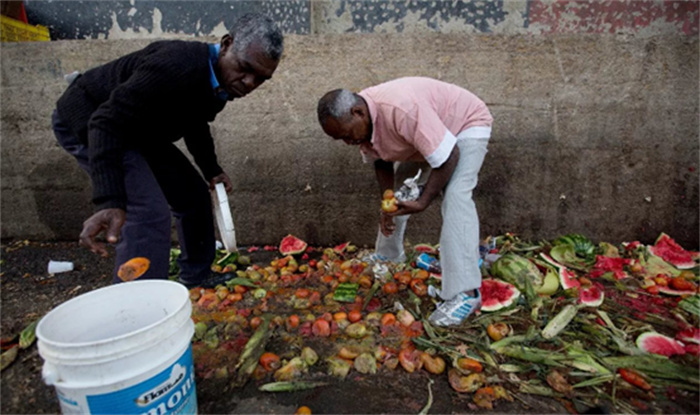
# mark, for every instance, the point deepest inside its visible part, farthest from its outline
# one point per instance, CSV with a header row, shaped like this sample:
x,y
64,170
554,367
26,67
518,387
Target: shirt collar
x,y
214,50
372,108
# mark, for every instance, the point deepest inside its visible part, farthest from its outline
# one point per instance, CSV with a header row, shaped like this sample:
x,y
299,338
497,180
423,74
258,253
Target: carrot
x,y
634,378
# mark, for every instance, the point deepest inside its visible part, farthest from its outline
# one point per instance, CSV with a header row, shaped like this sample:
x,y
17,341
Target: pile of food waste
x,y
586,324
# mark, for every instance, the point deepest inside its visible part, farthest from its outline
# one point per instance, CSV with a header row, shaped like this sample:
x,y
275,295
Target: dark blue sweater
x,y
150,97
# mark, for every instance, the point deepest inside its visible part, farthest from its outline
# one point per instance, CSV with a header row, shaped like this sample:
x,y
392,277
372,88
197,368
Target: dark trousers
x,y
158,182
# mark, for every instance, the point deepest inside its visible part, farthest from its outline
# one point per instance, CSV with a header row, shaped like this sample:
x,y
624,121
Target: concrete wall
x,y
595,134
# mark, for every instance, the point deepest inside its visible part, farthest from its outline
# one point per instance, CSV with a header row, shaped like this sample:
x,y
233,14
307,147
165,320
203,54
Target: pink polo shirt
x,y
419,119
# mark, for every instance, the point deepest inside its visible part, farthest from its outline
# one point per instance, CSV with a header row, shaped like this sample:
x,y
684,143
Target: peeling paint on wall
x,y
381,16
615,17
163,18
151,19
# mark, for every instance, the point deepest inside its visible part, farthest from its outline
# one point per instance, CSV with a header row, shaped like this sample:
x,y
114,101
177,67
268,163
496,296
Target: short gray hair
x,y
261,29
336,104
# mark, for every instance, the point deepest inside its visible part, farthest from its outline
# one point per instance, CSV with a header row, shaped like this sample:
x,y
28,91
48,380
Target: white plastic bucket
x,y
123,349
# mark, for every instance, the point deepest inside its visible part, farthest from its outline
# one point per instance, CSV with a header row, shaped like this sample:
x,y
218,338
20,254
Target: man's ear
x,y
358,110
226,42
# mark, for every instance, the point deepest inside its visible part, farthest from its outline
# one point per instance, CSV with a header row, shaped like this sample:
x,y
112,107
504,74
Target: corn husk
x,y
534,355
560,321
691,304
289,386
28,335
8,356
252,351
595,381
656,366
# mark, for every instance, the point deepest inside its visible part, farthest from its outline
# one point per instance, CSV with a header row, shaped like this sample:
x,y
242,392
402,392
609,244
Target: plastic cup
x,y
59,266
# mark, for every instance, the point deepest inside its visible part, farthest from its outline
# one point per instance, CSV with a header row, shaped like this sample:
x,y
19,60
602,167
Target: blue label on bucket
x,y
171,391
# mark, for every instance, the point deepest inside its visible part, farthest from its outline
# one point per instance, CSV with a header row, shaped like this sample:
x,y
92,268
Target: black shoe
x,y
210,281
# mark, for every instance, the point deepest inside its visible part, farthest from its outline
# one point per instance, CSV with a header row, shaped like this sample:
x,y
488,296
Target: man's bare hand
x,y
222,178
108,220
386,224
408,208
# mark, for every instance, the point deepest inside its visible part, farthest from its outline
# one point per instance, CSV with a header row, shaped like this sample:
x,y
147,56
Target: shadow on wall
x,y
62,209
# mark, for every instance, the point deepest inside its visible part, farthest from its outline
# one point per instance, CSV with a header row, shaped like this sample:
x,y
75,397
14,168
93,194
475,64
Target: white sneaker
x,y
453,311
375,257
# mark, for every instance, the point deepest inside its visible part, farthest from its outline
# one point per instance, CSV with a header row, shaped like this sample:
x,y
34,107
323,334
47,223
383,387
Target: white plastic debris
x,y
56,267
410,190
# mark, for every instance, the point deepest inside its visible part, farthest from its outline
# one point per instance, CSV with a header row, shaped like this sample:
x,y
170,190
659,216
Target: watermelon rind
x,y
494,304
591,296
551,261
550,284
291,245
582,246
426,248
671,291
689,335
653,342
567,278
670,251
516,270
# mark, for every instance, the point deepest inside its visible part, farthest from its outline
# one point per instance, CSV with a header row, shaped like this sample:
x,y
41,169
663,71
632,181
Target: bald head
x,y
337,105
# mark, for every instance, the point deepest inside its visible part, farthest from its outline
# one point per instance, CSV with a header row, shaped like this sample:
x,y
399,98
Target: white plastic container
x,y
123,349
224,219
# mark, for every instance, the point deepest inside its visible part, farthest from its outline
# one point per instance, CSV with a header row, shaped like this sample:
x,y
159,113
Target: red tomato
x,y
255,322
302,292
321,328
355,316
419,287
390,288
270,361
292,322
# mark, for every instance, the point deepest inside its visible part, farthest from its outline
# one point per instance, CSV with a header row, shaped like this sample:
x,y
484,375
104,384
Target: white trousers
x,y
459,236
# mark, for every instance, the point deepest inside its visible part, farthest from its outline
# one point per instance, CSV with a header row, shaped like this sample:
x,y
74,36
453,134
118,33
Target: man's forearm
x,y
384,171
439,178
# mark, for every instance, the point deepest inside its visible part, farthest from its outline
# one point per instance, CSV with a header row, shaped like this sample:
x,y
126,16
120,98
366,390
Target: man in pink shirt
x,y
442,129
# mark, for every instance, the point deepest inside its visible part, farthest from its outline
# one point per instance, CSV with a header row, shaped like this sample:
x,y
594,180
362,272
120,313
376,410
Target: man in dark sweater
x,y
120,121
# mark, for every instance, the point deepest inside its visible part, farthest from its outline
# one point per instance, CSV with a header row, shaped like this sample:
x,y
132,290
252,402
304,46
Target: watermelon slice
x,y
605,264
592,296
291,245
689,335
652,342
671,291
426,248
567,278
496,294
668,249
339,249
693,349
